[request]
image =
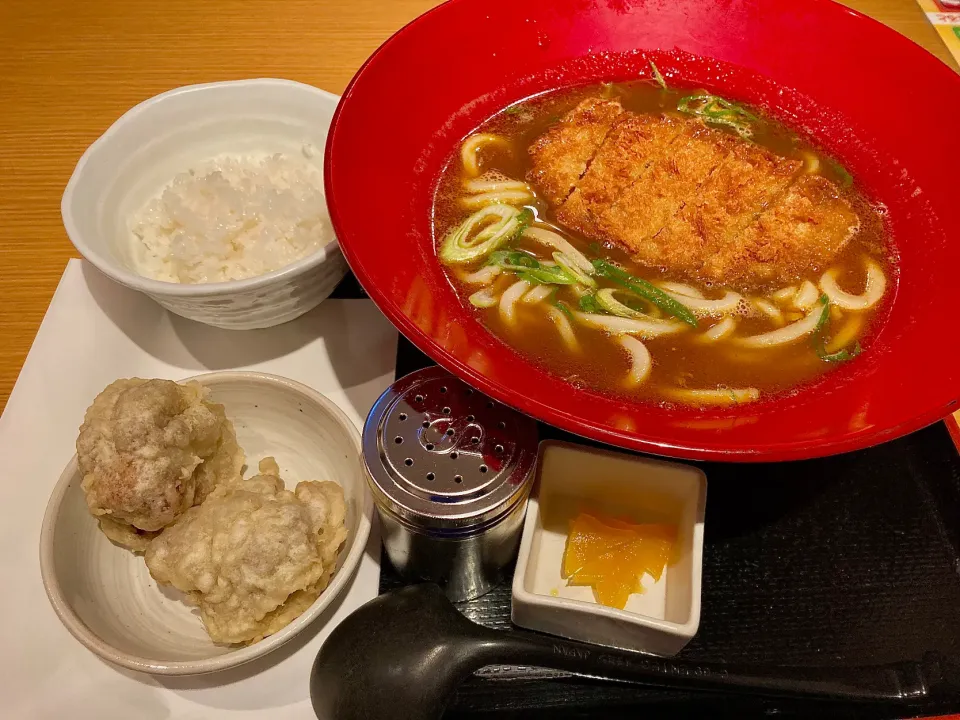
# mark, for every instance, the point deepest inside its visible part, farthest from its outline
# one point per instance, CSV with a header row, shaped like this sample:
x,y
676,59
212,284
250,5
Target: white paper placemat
x,y
93,333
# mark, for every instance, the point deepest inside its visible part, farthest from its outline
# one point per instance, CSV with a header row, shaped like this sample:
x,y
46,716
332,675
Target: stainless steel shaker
x,y
450,471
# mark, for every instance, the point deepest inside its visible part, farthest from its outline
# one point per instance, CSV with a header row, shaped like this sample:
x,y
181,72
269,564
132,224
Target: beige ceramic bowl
x,y
170,133
104,594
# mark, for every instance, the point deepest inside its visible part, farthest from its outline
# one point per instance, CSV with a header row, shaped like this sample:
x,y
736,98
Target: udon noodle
x,y
597,316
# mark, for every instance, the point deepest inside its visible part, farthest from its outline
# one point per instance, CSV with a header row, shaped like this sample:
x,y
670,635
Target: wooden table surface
x,y
68,69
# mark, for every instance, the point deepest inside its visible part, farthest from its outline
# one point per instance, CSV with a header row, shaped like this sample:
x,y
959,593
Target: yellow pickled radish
x,y
612,555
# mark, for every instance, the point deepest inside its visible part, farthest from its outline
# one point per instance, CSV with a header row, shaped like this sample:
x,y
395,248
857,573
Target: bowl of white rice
x,y
210,199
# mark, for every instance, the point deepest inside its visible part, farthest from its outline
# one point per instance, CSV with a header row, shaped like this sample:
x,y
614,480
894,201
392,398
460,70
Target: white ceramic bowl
x,y
141,153
105,595
572,478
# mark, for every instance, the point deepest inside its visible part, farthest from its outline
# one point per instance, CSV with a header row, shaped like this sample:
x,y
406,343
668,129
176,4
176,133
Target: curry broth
x,y
679,360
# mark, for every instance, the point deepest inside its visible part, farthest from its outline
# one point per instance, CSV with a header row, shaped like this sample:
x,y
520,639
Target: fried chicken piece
x,y
139,450
561,155
254,556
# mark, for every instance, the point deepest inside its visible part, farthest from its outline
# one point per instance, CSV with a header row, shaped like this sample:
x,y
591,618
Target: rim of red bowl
x,y
781,451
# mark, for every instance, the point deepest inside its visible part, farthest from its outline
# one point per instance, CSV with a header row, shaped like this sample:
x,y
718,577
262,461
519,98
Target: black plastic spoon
x,y
404,653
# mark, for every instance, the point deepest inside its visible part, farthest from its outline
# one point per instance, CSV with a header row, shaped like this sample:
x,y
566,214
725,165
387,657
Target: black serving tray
x,y
845,561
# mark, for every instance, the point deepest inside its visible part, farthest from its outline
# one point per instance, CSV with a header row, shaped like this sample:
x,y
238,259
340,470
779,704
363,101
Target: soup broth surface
x,y
686,365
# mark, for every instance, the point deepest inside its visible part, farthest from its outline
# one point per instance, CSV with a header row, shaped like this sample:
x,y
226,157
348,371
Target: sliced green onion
x,y
657,76
846,179
551,275
589,304
719,111
571,268
462,246
483,298
841,355
564,308
642,306
530,269
646,290
608,302
824,315
512,260
719,105
819,338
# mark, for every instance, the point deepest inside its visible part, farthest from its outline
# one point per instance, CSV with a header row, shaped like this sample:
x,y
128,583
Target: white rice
x,y
232,218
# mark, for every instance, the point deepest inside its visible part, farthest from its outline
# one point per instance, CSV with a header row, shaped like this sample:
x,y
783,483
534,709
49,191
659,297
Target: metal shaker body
x,y
450,471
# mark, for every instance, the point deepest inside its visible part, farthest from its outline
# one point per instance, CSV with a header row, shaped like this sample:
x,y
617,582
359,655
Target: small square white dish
x,y
574,478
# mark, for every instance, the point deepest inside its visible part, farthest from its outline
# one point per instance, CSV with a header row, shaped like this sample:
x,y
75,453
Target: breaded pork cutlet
x,y
561,155
628,155
671,182
695,201
742,184
807,227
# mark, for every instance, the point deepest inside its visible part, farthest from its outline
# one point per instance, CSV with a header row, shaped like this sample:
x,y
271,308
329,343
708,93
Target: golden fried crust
x,y
698,202
626,156
798,235
747,180
253,556
561,155
675,179
139,450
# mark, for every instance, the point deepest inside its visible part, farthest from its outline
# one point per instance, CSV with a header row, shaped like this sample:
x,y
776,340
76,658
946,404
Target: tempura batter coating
x,y
253,556
225,464
139,450
125,534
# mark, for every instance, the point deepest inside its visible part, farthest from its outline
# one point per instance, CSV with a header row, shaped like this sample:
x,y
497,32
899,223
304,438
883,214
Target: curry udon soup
x,y
668,245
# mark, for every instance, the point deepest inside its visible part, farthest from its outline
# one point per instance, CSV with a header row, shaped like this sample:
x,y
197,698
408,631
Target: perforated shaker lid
x,y
442,456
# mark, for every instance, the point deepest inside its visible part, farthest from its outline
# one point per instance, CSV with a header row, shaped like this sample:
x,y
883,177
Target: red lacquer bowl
x,y
883,105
